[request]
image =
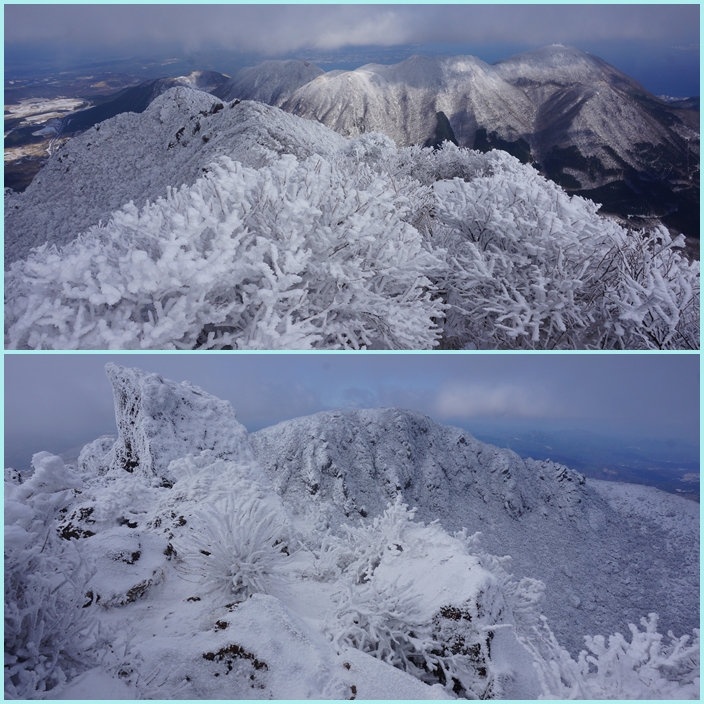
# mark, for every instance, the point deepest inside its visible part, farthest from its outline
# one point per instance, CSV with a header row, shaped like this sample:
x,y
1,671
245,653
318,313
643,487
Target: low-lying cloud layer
x,y
274,29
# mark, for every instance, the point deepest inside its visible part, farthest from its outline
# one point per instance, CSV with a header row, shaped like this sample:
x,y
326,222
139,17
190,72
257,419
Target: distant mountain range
x,y
584,124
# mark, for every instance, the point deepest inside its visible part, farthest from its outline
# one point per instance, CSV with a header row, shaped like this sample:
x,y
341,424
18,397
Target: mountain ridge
x,y
451,476
184,131
585,124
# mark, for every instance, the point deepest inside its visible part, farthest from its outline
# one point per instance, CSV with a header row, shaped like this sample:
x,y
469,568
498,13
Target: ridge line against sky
x,y
55,402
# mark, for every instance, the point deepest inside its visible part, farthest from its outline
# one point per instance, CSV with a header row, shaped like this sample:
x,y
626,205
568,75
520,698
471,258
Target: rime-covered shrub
x,y
294,255
647,667
390,620
49,636
527,266
530,267
375,247
360,549
239,546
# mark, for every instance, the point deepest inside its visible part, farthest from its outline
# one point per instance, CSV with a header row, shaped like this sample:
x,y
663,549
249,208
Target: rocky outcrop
x,y
159,421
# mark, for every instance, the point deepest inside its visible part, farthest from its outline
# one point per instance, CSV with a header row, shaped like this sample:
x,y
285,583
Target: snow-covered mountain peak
x,y
358,460
136,157
270,82
560,64
338,466
180,101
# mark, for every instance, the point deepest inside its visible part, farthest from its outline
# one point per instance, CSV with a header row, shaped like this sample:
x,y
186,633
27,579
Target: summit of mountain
x,y
560,65
556,525
137,98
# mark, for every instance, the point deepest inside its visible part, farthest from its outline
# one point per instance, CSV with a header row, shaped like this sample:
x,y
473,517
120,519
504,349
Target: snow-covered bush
x,y
294,255
239,546
49,636
392,618
530,267
386,623
527,266
647,667
360,549
376,247
611,668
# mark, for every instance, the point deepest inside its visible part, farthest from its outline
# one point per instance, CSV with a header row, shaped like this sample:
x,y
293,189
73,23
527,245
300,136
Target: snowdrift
x,y
177,564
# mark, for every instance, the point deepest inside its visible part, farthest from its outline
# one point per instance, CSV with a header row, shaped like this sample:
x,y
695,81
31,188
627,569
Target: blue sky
x,y
656,44
56,401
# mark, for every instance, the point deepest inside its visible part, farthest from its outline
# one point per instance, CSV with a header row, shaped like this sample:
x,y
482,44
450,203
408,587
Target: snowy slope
x,y
551,522
676,516
403,100
136,157
190,572
271,82
583,102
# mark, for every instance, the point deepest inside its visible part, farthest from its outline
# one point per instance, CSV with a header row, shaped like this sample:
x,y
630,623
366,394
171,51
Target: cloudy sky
x,y
651,42
55,401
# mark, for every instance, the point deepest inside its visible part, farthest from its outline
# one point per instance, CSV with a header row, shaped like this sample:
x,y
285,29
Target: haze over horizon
x,y
657,45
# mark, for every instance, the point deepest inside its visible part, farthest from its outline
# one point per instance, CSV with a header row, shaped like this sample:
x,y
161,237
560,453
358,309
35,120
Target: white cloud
x,y
503,400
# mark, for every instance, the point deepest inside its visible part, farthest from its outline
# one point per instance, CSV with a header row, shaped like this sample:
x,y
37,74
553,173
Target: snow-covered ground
x,y
39,110
189,560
